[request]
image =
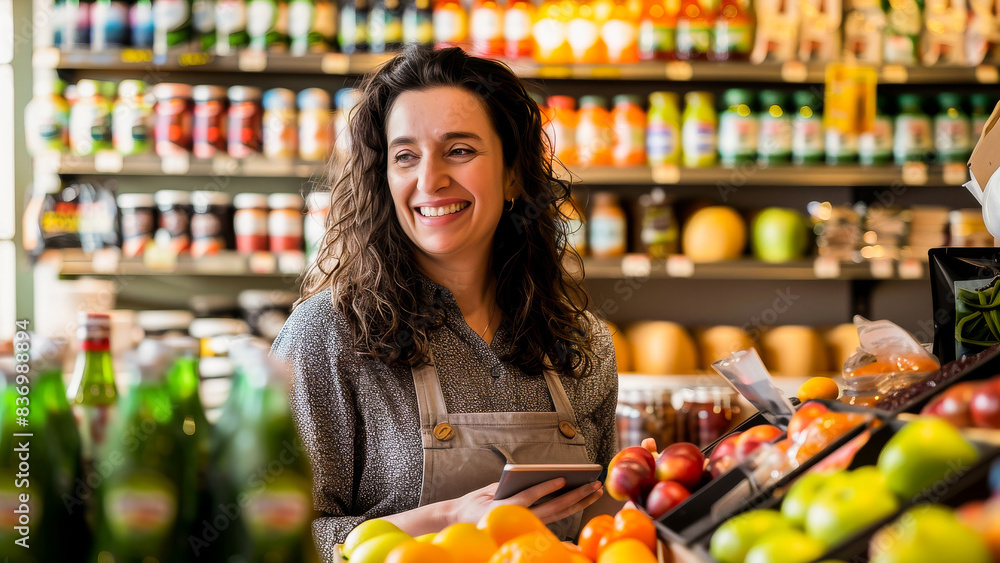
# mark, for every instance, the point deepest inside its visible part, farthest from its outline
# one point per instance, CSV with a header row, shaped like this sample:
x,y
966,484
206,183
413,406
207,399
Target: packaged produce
x,y
138,222
352,34
517,20
46,117
171,24
250,222
875,146
807,128
777,34
660,230
912,139
486,28
607,229
620,34
594,132
230,26
284,222
174,208
952,130
904,22
418,23
98,219
141,23
561,128
699,140
576,228
738,128
819,33
279,126
208,135
583,34
775,142
173,127
663,129
211,222
90,119
203,23
695,22
131,119
657,38
863,32
267,25
243,124
550,32
108,24
628,122
385,26
732,38
888,361
944,36
451,24
315,124
312,26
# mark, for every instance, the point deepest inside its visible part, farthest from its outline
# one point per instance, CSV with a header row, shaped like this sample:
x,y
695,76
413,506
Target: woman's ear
x,y
511,187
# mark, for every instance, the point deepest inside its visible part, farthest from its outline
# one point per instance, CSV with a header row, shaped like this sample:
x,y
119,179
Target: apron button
x,y
444,432
566,427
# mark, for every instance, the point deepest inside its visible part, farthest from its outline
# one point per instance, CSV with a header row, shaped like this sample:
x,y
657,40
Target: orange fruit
x,y
592,534
824,430
466,543
630,523
418,552
818,388
627,551
509,521
534,547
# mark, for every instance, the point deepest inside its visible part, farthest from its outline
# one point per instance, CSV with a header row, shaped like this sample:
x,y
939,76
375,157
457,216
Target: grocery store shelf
x,y
224,264
750,174
340,64
681,267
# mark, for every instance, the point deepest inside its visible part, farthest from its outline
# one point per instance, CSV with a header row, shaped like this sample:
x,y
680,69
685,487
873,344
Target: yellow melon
x,y
661,347
795,351
623,352
841,343
717,342
713,234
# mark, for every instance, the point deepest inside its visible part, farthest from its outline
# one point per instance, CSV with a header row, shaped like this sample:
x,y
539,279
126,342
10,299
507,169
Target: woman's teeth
x,y
439,211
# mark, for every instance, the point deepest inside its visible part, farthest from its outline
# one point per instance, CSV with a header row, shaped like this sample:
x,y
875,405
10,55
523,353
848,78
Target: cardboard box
x,y
986,155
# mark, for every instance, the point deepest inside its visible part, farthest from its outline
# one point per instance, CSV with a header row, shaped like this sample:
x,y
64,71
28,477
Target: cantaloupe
x,y
795,351
841,343
623,351
717,342
661,347
713,234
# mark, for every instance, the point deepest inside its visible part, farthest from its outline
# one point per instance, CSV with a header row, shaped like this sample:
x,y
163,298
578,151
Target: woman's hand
x,y
472,507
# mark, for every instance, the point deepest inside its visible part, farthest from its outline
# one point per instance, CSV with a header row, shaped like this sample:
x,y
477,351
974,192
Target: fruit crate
x,y
735,491
968,368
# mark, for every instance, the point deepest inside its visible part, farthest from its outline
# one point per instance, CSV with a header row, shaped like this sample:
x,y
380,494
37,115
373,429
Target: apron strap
x,y
559,398
430,399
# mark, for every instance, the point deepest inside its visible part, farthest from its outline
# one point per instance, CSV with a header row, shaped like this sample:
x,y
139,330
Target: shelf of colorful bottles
x,y
749,174
640,266
109,262
341,64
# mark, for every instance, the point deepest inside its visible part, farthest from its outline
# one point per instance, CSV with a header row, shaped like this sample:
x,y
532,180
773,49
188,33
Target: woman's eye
x,y
462,152
404,158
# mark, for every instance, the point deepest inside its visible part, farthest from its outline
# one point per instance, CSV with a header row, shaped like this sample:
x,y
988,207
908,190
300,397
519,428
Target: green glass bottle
x,y
92,391
912,135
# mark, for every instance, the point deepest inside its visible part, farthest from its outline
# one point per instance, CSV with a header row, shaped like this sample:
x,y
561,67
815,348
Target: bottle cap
x,y
131,88
627,99
279,98
948,100
910,102
86,88
284,201
93,330
206,92
201,200
172,197
770,98
980,102
313,99
167,90
250,201
239,94
806,98
663,98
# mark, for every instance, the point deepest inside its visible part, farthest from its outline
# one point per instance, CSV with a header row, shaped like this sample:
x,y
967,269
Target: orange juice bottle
x,y
594,133
629,126
584,36
451,24
549,31
657,30
486,28
517,29
694,30
561,128
621,33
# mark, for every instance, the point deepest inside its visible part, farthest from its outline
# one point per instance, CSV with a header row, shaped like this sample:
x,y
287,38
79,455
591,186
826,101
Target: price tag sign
x,y
955,173
262,263
291,262
606,71
679,70
895,74
987,74
47,57
915,173
224,165
826,268
252,61
176,164
636,266
794,71
680,266
194,59
108,162
105,260
554,72
335,63
137,55
911,269
667,174
881,268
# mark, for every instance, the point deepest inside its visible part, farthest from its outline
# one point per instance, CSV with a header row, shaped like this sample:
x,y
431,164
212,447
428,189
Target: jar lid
x,y
134,201
259,299
131,88
206,92
592,101
284,201
313,98
279,98
243,93
317,201
207,328
663,98
561,102
160,321
86,88
172,197
202,199
168,90
250,201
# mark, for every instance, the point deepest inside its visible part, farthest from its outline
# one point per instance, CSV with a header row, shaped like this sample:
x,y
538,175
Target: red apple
x,y
723,457
685,449
753,438
953,404
802,417
664,497
635,453
629,480
682,469
985,404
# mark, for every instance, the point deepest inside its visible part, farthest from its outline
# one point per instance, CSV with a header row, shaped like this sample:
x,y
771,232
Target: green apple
x,y
365,531
789,546
928,534
924,453
377,549
801,495
736,536
779,234
848,506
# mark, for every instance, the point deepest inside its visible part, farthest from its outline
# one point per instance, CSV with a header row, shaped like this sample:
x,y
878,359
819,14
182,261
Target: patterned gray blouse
x,y
358,416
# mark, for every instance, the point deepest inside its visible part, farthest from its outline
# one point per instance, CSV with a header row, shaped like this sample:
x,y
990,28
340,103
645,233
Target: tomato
x,y
630,523
593,533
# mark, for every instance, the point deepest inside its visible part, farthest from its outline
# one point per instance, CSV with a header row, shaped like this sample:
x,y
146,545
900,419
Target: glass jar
x,y
285,222
138,219
660,231
281,137
250,222
175,219
211,222
314,124
706,414
244,122
173,119
607,228
209,134
644,413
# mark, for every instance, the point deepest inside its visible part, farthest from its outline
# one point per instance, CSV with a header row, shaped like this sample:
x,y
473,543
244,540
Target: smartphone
x,y
517,477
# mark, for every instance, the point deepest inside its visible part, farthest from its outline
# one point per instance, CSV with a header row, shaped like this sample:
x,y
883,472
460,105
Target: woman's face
x,y
446,173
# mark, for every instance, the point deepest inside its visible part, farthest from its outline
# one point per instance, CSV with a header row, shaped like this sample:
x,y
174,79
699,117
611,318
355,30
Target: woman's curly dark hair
x,y
367,260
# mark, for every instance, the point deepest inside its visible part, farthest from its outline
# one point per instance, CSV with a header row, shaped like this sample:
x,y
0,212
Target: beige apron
x,y
467,451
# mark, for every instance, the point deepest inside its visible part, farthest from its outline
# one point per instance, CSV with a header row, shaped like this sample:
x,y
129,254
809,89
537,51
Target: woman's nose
x,y
433,175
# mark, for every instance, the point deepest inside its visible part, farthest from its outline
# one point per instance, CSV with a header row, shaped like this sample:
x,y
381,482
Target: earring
x,y
511,201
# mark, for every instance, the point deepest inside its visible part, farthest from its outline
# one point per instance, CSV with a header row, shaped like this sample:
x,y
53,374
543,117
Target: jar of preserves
x,y
660,231
209,134
211,222
172,128
244,124
646,413
281,137
285,222
250,222
607,227
315,124
138,217
706,414
175,218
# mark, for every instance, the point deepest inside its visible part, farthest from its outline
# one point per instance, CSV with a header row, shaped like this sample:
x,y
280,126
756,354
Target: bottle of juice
x,y
663,128
549,31
451,24
658,30
738,128
694,31
660,231
698,131
629,126
981,109
353,32
807,128
230,26
561,128
620,34
385,26
912,139
607,226
418,23
905,21
583,34
952,130
486,28
775,141
875,146
576,229
594,132
733,33
517,29
46,117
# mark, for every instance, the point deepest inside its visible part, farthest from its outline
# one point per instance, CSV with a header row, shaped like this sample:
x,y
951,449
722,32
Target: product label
x,y
733,39
284,223
109,24
807,138
141,21
654,39
250,222
517,25
244,129
912,139
693,39
130,129
280,134
562,136
45,126
951,136
629,143
877,144
737,136
141,507
172,128
775,136
282,510
89,127
662,144
314,134
137,231
699,141
840,145
899,49
607,235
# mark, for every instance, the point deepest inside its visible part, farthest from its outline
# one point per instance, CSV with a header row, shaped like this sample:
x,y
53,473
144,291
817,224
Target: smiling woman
x,y
440,336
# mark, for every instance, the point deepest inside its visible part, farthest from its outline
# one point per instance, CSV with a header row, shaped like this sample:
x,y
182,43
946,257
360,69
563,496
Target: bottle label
x,y
807,137
89,127
654,39
130,128
840,145
899,49
698,140
46,126
661,143
775,136
619,36
951,136
693,38
281,510
486,25
314,134
141,21
517,25
607,235
733,39
141,507
582,34
876,145
109,24
912,139
280,134
250,222
562,136
737,136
